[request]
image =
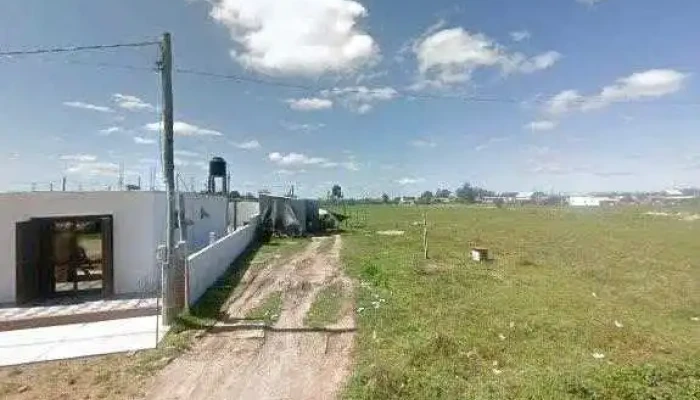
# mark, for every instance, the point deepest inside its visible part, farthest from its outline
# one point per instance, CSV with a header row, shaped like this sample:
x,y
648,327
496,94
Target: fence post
x,y
425,235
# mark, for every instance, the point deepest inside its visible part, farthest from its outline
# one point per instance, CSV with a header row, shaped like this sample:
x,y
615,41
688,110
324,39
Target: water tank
x,y
217,167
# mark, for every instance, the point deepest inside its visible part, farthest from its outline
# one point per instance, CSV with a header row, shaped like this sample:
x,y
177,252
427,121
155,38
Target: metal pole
x,y
166,69
63,184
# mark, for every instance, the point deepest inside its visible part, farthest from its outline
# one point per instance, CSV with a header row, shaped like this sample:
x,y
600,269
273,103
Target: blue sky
x,y
587,95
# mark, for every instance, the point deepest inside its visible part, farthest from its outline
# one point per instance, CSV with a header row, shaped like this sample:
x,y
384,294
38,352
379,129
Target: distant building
x,y
591,201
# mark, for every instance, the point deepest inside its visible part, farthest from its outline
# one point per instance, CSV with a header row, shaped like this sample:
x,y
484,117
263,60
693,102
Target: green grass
x,y
270,309
326,307
526,325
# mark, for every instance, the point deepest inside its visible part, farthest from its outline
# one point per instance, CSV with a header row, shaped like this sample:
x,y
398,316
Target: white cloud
x,y
564,102
421,143
295,127
142,140
490,142
640,85
183,129
249,145
79,157
519,36
94,169
309,104
541,125
88,106
450,56
186,153
361,99
131,103
519,63
297,37
295,159
409,181
289,172
111,130
589,2
298,160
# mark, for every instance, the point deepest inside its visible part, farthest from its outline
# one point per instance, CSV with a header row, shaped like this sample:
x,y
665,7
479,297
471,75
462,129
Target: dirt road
x,y
240,359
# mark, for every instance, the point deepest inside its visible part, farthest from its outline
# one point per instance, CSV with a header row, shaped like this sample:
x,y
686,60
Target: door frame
x,y
44,246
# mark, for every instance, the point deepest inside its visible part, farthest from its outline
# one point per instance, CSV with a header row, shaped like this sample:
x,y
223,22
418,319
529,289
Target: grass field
x,y
576,304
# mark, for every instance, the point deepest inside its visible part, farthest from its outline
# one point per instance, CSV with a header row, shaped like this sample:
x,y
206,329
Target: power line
x,y
408,94
73,49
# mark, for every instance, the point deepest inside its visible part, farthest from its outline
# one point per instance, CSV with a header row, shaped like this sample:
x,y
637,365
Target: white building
x,y
591,201
116,235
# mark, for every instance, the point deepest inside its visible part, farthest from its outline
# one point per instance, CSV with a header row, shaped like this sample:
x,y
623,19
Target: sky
x,y
554,95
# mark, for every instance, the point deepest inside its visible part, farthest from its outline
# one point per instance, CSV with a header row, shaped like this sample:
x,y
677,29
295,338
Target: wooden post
x,y
425,235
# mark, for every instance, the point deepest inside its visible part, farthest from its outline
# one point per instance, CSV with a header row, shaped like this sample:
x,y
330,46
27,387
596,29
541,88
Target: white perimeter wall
x,y
210,263
244,211
138,228
214,219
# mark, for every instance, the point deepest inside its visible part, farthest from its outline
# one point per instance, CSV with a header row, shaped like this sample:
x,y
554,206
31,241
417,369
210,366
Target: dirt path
x,y
239,359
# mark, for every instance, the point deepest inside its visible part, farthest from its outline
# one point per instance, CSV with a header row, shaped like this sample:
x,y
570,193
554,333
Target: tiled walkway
x,y
66,311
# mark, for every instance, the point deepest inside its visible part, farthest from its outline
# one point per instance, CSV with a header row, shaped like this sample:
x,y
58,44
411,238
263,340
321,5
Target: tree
x,y
471,194
385,198
426,197
336,192
442,193
235,194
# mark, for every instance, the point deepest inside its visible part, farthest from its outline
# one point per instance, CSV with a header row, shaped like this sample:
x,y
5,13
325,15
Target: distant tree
x,y
472,194
235,194
442,193
336,192
249,196
397,200
499,202
385,198
426,197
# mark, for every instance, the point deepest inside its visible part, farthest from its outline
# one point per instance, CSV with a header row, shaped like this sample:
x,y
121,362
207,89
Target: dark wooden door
x,y
28,249
107,257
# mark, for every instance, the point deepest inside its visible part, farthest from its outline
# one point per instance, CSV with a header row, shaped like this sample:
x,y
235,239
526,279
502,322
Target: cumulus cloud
x,y
519,36
309,104
297,37
361,99
450,56
94,169
298,160
111,130
638,86
248,145
541,125
183,129
78,157
409,181
143,140
88,106
131,103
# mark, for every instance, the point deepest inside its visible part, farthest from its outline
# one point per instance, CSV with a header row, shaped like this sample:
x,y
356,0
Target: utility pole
x,y
120,182
166,71
63,184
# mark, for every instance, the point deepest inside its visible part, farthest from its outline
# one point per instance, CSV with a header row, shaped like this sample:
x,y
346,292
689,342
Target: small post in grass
x,y
425,235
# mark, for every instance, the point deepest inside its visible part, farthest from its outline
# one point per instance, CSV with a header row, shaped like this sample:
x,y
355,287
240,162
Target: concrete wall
x,y
138,228
210,263
243,211
209,214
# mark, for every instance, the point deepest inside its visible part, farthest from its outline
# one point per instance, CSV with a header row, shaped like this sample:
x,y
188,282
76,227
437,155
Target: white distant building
x,y
591,201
